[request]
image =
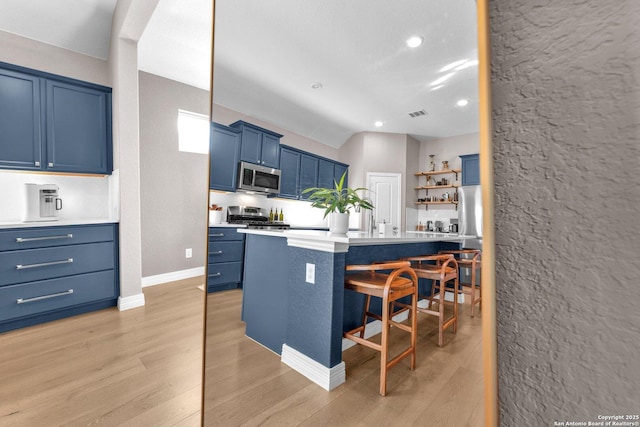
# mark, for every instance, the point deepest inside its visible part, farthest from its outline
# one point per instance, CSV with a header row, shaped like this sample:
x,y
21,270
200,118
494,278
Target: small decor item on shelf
x,y
444,181
432,163
445,165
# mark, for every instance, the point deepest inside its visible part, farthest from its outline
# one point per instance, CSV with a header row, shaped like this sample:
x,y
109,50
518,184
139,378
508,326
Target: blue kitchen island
x,y
294,301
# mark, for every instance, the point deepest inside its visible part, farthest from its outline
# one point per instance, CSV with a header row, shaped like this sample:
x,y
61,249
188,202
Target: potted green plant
x,y
337,203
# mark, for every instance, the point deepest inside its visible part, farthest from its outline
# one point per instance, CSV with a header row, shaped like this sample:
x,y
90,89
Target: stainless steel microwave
x,y
258,178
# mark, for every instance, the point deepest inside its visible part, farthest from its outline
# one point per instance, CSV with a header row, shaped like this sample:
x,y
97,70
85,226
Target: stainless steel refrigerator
x,y
470,223
470,216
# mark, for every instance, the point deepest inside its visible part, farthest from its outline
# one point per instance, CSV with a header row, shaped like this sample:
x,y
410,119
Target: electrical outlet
x,y
311,273
188,253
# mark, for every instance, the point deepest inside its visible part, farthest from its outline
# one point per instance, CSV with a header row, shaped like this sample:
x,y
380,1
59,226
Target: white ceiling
x,y
268,54
80,25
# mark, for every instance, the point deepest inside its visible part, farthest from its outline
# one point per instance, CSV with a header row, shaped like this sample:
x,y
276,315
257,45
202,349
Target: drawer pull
x,y
217,235
59,294
215,275
215,253
36,239
44,264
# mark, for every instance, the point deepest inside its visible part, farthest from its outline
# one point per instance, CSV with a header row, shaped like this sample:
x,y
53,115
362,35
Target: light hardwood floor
x,y
247,385
142,367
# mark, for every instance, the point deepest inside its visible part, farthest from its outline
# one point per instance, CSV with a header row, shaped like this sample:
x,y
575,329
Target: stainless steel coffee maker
x,y
42,202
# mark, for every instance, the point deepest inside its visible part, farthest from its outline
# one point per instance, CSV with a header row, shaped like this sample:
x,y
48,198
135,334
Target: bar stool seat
x,y
440,269
401,282
472,288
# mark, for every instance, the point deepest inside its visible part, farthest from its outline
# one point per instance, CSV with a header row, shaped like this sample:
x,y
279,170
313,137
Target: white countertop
x,y
227,225
356,238
64,222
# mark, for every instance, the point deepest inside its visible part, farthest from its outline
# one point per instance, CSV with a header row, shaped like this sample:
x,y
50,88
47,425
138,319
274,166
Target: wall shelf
x,y
441,172
428,200
436,187
437,203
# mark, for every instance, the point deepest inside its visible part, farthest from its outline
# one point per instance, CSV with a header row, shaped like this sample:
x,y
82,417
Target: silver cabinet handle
x,y
50,164
59,294
215,253
215,274
217,235
37,163
36,239
44,264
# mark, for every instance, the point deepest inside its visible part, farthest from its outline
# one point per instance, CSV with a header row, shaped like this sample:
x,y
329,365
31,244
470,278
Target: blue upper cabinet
x,y
224,156
20,123
51,123
78,132
301,170
308,173
470,169
330,172
338,171
326,172
259,146
289,173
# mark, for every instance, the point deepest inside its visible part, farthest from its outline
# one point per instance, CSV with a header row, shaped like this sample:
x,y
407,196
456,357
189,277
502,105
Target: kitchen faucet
x,y
372,222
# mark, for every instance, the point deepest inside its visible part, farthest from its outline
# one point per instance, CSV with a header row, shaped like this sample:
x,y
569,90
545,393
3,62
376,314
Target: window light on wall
x,y
193,132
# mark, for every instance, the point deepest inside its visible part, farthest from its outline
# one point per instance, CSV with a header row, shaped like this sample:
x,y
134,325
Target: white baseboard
x,y
327,378
133,301
172,276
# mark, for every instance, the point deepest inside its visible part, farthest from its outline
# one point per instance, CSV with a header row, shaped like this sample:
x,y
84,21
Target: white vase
x,y
338,223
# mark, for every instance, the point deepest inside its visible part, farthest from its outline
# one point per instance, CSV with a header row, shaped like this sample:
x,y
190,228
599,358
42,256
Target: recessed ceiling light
x,y
378,124
462,102
441,80
414,41
316,85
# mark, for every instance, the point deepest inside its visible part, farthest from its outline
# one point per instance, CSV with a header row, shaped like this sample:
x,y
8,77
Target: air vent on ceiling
x,y
418,113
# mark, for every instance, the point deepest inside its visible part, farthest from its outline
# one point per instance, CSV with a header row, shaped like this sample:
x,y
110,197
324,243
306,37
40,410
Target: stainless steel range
x,y
253,217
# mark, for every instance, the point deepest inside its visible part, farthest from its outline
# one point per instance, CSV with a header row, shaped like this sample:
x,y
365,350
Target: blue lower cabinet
x,y
48,273
46,295
225,259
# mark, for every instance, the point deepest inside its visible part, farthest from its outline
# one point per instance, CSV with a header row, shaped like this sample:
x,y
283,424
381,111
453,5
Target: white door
x,y
384,191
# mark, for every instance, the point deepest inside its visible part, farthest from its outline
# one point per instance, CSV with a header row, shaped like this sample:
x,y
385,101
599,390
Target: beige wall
x,y
449,149
174,184
45,57
566,138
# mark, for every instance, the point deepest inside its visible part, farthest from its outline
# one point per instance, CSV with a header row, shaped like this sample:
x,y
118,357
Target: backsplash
x,y
414,216
82,197
296,213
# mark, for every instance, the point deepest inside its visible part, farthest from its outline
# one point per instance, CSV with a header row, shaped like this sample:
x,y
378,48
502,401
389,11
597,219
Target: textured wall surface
x,y
565,87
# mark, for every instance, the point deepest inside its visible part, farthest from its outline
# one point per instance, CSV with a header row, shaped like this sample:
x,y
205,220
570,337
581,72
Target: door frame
x,y
400,194
488,275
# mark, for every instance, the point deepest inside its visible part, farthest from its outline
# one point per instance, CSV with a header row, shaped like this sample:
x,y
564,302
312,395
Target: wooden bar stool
x,y
401,282
474,262
440,269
